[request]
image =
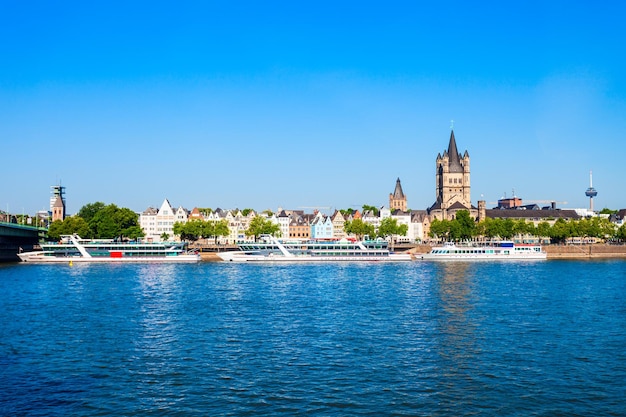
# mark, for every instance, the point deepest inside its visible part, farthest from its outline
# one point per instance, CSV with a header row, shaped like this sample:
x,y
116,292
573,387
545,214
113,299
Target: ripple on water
x,y
352,339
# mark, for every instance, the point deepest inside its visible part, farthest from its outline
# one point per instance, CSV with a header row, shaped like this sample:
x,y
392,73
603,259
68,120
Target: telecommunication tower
x,y
591,192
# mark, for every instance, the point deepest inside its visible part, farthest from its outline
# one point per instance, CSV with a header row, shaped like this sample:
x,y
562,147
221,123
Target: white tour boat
x,y
72,248
270,249
500,252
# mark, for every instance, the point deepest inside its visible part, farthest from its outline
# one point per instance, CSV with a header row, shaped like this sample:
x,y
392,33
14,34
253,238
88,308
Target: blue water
x,y
503,339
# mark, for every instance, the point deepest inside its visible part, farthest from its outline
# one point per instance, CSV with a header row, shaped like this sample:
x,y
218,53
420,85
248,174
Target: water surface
x,y
436,339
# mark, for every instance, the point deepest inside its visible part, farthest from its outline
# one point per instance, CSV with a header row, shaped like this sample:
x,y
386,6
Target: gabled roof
x,y
436,205
150,211
166,206
337,216
318,220
398,193
459,206
454,161
418,216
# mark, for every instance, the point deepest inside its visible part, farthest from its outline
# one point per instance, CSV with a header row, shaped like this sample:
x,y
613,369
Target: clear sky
x,y
299,104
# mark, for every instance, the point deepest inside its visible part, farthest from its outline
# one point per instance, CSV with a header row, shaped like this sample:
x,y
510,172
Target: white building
x,y
157,223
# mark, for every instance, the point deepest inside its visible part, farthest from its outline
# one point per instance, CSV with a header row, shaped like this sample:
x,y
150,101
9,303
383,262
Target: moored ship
x,y
270,249
72,248
500,252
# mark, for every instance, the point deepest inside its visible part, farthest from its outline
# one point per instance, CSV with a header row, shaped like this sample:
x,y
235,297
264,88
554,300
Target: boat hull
x,y
236,256
505,251
429,257
34,257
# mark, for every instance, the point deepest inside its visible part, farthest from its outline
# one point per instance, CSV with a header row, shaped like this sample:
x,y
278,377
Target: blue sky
x,y
299,104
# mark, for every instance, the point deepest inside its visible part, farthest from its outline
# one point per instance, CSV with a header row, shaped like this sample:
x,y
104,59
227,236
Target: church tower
x,y
58,209
452,181
397,200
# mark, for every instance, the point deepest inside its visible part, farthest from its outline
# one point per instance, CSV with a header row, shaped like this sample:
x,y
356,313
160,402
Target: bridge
x,y
15,237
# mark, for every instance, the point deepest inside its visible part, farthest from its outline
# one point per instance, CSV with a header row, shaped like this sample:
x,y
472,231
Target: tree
x,y
193,230
621,233
221,229
133,232
165,236
560,231
109,221
608,211
103,225
359,228
346,212
440,229
543,229
89,210
389,227
246,211
55,230
261,226
371,208
215,229
71,225
491,227
466,225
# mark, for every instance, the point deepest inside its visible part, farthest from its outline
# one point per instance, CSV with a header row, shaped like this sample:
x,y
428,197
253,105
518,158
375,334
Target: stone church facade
x,y
453,190
397,199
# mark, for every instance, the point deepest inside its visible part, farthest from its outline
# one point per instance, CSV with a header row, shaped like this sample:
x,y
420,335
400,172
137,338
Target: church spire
x,y
397,200
454,164
398,193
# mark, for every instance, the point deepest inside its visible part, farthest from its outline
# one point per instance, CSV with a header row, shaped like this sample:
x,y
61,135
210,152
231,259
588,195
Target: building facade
x,y
158,225
452,184
397,199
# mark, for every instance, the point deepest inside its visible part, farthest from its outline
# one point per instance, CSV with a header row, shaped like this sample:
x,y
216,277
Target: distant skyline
x,y
290,104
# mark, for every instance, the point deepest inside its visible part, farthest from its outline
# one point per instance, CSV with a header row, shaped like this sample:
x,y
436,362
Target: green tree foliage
x,y
461,228
560,231
262,226
440,229
621,233
543,229
346,212
189,231
110,221
359,228
69,226
466,226
196,229
89,210
134,232
246,211
221,229
371,208
608,211
389,227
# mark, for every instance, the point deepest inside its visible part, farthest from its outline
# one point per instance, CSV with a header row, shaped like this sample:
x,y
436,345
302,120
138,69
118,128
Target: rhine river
x,y
423,339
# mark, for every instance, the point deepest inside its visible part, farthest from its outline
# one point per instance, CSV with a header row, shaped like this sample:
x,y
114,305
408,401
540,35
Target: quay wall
x,y
595,251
